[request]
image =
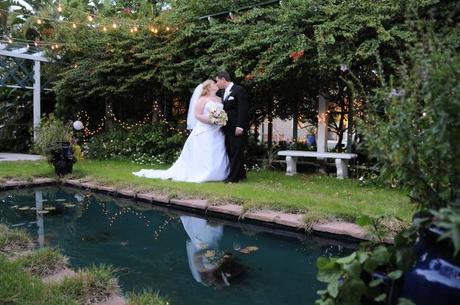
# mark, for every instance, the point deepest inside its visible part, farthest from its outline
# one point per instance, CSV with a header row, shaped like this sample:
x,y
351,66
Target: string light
x,y
60,8
39,21
114,25
90,18
104,29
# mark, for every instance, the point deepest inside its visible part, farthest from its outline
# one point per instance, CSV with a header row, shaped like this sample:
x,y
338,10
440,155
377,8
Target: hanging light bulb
x,y
59,8
74,25
90,18
52,47
36,44
114,25
56,46
135,29
10,40
167,28
39,21
104,29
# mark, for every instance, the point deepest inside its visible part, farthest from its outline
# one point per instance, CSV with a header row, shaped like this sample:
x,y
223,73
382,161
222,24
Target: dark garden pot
x,y
435,277
62,158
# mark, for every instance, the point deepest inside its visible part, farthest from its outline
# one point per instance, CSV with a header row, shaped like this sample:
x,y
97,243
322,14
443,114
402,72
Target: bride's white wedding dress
x,y
203,157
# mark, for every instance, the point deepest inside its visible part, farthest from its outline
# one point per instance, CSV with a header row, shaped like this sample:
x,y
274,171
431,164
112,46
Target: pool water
x,y
187,259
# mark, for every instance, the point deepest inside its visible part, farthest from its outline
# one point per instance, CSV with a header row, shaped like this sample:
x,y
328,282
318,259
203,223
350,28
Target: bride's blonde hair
x,y
206,85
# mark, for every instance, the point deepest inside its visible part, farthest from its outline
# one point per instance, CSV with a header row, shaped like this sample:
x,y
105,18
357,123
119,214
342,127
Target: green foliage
x,y
148,144
43,262
414,125
50,134
368,275
448,219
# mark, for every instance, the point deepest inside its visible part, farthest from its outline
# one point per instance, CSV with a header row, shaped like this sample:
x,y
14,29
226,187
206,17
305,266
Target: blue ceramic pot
x,y
435,277
311,141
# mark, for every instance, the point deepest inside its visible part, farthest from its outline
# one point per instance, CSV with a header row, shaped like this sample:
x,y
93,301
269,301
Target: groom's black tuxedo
x,y
237,107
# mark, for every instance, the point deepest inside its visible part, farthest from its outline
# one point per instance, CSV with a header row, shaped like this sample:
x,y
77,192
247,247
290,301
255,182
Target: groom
x,y
236,105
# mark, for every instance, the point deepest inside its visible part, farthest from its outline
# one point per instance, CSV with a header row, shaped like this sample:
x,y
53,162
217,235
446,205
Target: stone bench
x,y
341,160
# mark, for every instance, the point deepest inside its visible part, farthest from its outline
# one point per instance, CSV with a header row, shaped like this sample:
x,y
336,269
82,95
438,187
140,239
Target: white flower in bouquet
x,y
218,117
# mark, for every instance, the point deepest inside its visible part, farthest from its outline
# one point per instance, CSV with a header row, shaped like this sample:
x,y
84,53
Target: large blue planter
x,y
435,278
311,140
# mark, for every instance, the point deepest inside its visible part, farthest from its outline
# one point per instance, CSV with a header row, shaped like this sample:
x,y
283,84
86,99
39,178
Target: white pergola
x,y
14,74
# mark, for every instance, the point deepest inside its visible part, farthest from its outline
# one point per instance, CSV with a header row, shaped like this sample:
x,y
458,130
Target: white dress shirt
x,y
227,90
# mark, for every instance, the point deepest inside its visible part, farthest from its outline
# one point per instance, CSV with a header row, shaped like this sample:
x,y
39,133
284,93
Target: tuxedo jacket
x,y
237,107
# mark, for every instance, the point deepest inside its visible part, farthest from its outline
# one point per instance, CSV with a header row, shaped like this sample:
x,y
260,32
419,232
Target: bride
x,y
203,157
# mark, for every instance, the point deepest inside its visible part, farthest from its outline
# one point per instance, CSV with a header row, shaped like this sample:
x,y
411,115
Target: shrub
x,y
145,298
148,144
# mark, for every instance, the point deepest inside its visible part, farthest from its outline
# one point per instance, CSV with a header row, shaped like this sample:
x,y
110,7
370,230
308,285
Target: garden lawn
x,y
319,196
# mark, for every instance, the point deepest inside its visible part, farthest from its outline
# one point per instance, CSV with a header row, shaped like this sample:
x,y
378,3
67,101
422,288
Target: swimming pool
x,y
188,259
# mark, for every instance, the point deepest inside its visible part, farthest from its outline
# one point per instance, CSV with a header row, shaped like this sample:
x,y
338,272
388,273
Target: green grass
x,y
13,240
145,298
17,287
90,285
43,262
318,196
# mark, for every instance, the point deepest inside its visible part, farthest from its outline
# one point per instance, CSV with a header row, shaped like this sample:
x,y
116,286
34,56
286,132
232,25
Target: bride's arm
x,y
199,109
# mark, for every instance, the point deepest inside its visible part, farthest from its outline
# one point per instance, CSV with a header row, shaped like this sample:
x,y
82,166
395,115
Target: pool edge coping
x,y
341,230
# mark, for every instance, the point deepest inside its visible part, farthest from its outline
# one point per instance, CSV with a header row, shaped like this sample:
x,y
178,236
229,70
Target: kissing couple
x,y
214,150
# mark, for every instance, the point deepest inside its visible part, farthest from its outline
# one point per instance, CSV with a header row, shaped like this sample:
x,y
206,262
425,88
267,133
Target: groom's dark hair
x,y
225,75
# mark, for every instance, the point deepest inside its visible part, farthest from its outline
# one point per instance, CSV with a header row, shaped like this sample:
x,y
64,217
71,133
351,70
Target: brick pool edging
x,y
275,219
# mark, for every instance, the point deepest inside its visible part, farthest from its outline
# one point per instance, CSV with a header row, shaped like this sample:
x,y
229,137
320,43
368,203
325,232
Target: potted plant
x,y
311,136
54,140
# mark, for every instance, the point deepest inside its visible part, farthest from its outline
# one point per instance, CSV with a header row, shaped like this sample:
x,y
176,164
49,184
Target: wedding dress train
x,y
203,157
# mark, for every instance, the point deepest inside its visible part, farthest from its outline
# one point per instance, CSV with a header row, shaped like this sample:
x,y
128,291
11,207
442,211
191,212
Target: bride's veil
x,y
191,119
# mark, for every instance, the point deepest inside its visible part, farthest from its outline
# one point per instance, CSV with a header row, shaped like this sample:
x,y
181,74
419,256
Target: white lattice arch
x,y
37,58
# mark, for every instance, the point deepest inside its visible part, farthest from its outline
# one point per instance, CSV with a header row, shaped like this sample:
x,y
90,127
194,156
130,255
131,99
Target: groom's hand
x,y
238,131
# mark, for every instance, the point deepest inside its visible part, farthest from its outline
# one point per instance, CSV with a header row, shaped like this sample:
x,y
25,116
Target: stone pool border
x,y
288,221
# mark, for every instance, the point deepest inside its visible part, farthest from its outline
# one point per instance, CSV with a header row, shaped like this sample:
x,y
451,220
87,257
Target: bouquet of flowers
x,y
218,117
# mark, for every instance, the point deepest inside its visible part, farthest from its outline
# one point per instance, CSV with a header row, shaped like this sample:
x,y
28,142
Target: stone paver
x,y
341,228
231,209
190,203
152,197
262,215
290,220
19,157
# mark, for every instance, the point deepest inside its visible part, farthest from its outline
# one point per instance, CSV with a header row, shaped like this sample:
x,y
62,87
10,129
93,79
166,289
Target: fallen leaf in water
x,y
124,243
50,208
245,251
69,205
14,207
210,253
252,248
43,212
26,208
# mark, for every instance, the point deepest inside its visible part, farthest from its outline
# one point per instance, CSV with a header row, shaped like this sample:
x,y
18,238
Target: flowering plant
x,y
218,117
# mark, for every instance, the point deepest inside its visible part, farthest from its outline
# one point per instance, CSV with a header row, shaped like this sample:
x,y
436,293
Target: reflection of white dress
x,y
203,157
202,237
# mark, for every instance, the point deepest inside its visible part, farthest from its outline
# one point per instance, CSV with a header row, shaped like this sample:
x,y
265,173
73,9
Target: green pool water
x,y
187,258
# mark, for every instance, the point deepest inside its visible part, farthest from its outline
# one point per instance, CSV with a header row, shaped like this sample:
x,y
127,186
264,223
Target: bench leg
x,y
291,165
342,168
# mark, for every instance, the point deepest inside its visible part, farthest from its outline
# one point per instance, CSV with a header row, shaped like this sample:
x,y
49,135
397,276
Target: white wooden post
x,y
37,110
321,141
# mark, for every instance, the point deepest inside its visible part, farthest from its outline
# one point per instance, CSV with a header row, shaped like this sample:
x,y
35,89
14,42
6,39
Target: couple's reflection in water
x,y
210,265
